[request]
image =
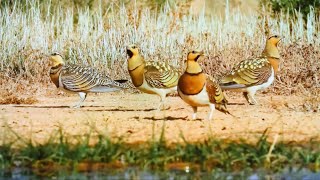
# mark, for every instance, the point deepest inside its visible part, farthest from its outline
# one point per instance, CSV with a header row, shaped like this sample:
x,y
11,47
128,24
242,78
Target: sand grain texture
x,y
133,118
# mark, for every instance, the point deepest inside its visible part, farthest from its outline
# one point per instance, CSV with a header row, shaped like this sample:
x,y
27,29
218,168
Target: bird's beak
x,y
129,52
279,41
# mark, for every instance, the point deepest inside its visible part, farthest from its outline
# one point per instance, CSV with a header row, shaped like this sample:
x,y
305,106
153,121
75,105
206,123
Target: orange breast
x,y
275,63
192,84
55,79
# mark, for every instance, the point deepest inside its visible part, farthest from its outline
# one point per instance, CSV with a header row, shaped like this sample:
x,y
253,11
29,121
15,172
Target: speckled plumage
x,y
82,80
85,79
152,77
161,74
248,73
254,74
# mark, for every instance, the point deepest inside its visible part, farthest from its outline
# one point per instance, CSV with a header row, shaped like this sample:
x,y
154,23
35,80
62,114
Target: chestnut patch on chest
x,y
192,84
55,78
55,74
275,63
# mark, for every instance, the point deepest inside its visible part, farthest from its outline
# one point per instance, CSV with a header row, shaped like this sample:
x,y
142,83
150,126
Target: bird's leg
x,y
250,97
162,100
212,108
251,94
161,107
194,115
82,98
245,94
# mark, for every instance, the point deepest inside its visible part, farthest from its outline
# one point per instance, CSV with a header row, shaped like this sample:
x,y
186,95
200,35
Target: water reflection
x,y
136,173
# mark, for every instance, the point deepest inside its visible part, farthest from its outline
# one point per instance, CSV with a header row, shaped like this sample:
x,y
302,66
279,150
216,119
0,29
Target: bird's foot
x,y
252,101
250,98
162,107
75,106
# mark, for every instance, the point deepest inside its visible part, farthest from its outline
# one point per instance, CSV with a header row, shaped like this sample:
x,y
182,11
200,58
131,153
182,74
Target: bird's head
x,y
193,66
56,59
274,40
271,49
194,55
132,50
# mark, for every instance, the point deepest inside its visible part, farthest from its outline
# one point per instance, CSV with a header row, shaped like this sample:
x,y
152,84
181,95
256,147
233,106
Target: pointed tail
x,y
222,108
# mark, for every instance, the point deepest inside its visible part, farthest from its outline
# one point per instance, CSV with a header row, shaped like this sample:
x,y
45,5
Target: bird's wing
x,y
161,75
247,73
216,95
77,79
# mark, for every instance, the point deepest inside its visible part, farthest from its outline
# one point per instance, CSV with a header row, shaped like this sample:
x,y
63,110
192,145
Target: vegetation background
x,y
96,32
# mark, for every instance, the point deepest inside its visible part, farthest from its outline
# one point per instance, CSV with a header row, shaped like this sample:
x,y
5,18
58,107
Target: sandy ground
x,y
133,118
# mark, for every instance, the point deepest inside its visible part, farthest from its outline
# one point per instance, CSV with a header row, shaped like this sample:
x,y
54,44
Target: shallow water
x,y
135,173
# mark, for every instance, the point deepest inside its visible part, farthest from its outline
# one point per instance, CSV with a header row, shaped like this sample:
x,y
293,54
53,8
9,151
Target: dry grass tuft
x,y
99,37
11,98
312,101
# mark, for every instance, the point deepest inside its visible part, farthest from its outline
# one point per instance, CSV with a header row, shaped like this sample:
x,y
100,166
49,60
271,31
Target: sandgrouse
x,y
82,80
199,89
251,75
152,77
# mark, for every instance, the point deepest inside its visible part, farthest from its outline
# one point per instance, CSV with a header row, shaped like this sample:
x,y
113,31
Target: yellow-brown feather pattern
x,y
249,72
83,79
161,75
216,95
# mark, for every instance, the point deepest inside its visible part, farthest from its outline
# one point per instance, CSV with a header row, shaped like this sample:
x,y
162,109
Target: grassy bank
x,y
212,155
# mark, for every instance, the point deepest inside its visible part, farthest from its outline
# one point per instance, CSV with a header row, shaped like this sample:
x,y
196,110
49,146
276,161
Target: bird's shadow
x,y
167,118
122,110
28,106
83,107
236,104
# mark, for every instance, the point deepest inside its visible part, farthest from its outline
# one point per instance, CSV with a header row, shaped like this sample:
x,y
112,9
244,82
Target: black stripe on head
x,y
275,36
55,54
129,52
196,59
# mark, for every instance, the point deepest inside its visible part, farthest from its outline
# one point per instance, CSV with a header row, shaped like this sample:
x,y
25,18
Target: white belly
x,y
200,99
146,88
264,85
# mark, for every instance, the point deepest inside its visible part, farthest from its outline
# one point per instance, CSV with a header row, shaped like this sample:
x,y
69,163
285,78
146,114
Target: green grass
x,y
211,155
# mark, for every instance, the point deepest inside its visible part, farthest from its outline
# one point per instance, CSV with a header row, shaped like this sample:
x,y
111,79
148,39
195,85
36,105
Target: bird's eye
x,y
276,36
134,47
193,52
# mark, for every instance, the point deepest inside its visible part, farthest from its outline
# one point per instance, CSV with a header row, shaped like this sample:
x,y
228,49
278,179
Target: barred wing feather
x,y
87,79
161,75
247,73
